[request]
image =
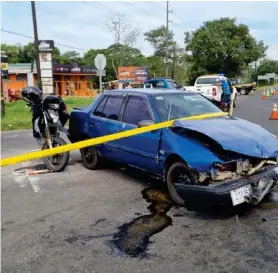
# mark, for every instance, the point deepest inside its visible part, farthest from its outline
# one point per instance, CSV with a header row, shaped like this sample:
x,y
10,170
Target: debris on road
x,y
270,218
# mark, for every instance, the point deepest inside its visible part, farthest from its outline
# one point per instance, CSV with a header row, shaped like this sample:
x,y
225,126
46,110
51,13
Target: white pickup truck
x,y
210,87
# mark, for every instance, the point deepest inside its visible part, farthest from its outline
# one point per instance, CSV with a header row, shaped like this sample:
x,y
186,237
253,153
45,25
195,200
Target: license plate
x,y
239,194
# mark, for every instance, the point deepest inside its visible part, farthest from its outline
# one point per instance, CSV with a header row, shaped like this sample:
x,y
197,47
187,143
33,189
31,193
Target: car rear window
x,y
208,80
157,84
112,107
99,110
136,110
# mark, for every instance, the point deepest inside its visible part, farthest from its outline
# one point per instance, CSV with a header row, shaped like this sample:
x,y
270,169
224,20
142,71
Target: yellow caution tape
x,y
98,140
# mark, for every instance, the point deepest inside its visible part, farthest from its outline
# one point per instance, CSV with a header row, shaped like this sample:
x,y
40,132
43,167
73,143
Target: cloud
x,y
82,25
272,51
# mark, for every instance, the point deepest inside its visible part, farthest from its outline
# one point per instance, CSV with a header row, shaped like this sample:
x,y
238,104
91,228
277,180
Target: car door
x,y
170,85
104,120
141,150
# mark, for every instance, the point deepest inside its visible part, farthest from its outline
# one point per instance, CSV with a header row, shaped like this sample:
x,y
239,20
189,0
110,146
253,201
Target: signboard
x,y
244,72
46,65
47,89
47,81
262,77
133,73
72,69
100,61
102,74
4,66
45,57
270,75
46,73
46,45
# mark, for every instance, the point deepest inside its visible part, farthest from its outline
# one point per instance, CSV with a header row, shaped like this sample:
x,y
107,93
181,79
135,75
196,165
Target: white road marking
x,y
22,178
34,182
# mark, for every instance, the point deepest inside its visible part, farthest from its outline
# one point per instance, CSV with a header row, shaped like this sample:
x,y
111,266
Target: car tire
x,y
91,158
242,91
179,168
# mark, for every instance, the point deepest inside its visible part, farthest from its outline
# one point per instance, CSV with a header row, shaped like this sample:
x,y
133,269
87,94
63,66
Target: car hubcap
x,y
181,178
90,154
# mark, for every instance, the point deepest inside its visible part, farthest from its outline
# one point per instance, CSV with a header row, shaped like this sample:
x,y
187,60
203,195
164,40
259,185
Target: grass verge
x,y
18,115
263,88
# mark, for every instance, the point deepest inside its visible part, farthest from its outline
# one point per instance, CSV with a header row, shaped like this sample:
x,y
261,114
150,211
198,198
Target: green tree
x,y
89,59
12,52
222,46
267,66
157,38
129,56
70,57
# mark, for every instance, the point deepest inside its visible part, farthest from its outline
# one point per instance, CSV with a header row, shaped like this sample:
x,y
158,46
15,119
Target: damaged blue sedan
x,y
215,161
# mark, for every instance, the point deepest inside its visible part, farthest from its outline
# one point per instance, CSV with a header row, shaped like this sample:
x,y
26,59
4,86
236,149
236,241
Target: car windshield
x,y
157,84
209,80
174,106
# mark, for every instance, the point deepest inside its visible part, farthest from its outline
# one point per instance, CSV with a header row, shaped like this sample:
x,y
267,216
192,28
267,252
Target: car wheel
x,y
242,91
177,174
91,158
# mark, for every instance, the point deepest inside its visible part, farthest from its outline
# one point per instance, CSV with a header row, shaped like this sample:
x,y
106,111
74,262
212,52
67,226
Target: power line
x,y
143,11
56,12
113,11
31,37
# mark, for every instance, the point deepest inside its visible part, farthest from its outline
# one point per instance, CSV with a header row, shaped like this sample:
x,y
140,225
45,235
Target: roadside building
x,y
68,80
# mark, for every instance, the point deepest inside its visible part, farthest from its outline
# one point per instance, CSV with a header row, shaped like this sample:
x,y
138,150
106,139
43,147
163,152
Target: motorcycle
x,y
49,116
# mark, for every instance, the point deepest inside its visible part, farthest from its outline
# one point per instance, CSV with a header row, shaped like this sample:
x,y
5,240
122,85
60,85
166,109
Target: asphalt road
x,y
83,221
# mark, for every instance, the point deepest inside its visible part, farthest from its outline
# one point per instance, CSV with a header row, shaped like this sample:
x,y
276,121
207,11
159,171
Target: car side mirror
x,y
144,123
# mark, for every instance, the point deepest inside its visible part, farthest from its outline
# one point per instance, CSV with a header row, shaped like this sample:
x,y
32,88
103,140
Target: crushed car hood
x,y
236,135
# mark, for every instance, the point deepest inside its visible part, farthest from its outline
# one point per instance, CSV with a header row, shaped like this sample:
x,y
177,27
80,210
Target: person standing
x,y
226,98
127,85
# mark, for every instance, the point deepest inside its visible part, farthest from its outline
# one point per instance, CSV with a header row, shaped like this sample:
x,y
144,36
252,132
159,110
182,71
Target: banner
x,y
4,66
74,69
133,73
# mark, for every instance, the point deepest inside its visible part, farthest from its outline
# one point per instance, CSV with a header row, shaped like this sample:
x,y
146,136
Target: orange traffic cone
x,y
264,97
274,113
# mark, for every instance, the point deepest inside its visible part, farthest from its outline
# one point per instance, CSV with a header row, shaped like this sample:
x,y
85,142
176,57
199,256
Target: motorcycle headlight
x,y
54,117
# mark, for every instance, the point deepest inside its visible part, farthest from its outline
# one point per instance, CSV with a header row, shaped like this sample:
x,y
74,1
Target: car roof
x,y
159,79
213,76
210,76
149,91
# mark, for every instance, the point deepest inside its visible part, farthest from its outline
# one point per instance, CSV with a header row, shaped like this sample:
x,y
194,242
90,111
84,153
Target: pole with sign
x,y
100,63
4,75
45,56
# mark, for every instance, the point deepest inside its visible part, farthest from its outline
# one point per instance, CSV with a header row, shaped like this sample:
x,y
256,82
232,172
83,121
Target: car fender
x,y
191,150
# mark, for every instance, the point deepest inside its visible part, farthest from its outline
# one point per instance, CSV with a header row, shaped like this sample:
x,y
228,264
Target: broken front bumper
x,y
248,190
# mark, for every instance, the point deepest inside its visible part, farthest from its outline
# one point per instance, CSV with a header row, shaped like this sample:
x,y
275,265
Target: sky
x,y
81,24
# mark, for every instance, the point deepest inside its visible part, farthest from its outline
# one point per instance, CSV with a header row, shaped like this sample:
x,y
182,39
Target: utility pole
x,y
167,36
36,44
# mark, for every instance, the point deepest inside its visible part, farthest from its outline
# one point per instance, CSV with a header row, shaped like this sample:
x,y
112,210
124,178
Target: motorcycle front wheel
x,y
58,162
